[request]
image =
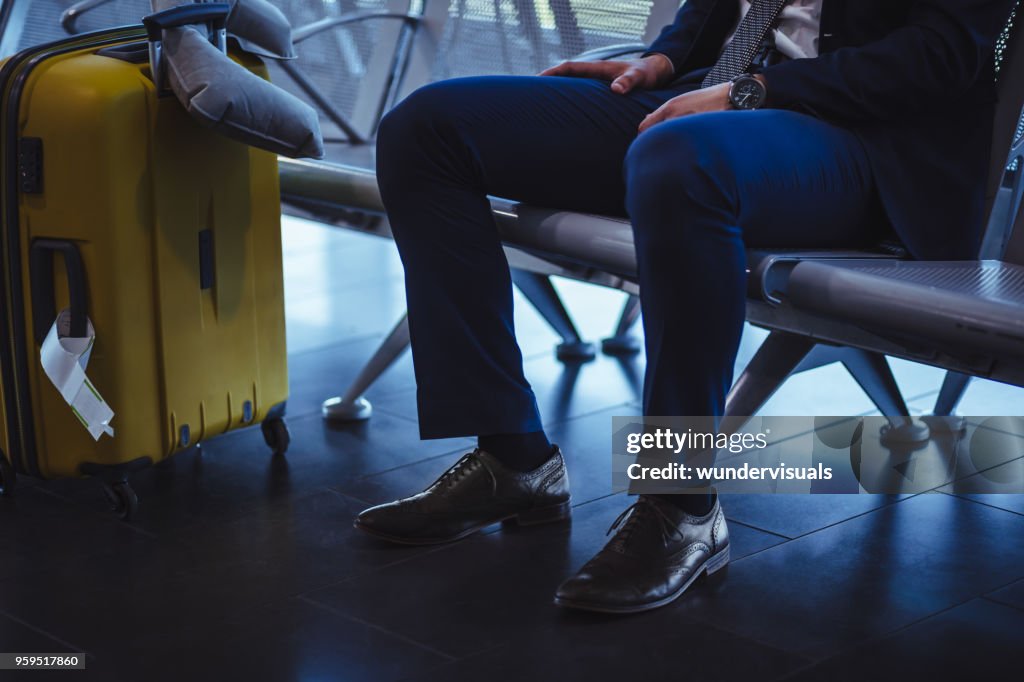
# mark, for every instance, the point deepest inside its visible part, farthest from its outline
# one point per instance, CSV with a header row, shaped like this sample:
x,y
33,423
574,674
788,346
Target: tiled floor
x,y
245,568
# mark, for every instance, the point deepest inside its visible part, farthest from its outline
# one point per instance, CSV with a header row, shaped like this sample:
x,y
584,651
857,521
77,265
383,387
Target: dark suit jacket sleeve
x,y
677,39
938,55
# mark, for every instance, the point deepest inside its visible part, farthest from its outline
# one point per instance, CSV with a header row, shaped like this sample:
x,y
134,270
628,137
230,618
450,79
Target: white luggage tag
x,y
64,359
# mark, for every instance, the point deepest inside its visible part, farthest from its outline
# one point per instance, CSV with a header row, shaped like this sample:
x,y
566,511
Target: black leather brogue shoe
x,y
475,493
658,551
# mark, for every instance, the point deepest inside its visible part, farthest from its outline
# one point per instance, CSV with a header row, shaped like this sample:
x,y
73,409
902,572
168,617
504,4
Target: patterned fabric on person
x,y
796,31
746,42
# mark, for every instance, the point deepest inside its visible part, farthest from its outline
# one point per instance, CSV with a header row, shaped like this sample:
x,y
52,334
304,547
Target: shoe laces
x,y
458,471
634,516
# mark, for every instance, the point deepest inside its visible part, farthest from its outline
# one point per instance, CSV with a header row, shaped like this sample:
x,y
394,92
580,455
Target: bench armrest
x,y
330,23
69,18
611,52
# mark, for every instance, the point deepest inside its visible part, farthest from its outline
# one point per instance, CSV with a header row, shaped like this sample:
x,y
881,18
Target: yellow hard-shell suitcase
x,y
166,235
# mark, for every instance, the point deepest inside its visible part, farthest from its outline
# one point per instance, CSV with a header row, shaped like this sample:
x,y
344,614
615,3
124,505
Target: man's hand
x,y
625,76
696,102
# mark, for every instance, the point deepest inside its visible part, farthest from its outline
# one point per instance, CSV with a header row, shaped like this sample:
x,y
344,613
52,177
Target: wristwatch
x,y
747,93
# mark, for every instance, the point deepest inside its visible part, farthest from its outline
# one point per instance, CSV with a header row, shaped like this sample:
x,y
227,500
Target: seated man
x,y
750,123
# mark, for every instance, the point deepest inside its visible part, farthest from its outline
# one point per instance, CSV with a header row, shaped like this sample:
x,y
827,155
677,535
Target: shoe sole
x,y
714,564
530,517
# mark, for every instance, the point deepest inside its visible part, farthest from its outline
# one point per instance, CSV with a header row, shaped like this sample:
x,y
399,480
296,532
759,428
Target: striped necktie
x,y
739,54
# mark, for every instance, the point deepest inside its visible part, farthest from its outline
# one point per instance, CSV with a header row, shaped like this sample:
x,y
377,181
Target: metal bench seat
x,y
605,243
582,245
970,310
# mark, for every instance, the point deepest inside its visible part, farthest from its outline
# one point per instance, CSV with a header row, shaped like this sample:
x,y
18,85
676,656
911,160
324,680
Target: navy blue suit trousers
x,y
698,190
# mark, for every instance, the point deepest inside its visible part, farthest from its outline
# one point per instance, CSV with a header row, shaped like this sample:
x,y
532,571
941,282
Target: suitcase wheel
x,y
123,500
7,476
275,433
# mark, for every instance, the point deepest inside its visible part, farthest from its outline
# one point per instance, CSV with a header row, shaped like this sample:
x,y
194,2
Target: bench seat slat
x,y
973,305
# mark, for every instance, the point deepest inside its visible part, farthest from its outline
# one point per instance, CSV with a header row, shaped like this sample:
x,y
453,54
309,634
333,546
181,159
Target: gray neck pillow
x,y
229,98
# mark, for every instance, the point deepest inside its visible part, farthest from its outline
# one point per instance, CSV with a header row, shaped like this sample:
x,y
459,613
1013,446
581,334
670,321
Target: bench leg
x,y
541,294
873,373
623,342
953,388
783,354
353,407
778,357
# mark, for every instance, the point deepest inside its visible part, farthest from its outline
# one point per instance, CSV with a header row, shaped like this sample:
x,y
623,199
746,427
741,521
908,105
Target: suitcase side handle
x,y
213,14
44,305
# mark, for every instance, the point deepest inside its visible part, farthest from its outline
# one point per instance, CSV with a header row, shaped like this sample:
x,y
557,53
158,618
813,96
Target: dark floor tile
x,y
40,531
1010,502
491,589
746,541
974,641
236,471
869,576
292,640
796,515
998,486
400,482
136,598
18,638
585,442
324,454
272,552
1012,595
166,596
592,649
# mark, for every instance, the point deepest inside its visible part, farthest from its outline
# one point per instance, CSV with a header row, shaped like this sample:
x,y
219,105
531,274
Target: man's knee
x,y
676,168
413,121
411,116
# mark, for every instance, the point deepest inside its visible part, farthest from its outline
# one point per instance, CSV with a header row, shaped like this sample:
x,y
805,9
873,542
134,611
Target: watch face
x,y
747,93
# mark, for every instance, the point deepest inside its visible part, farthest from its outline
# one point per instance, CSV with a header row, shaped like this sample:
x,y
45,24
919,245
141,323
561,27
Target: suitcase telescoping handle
x,y
213,14
44,303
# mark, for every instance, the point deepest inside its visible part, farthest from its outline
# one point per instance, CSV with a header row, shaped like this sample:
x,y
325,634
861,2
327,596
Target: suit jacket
x,y
913,78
